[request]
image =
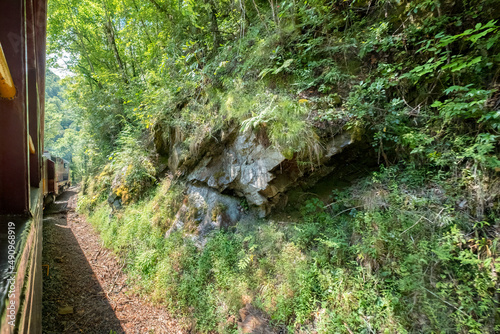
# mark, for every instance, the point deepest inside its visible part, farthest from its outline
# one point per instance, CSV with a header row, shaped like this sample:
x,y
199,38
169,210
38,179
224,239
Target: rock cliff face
x,y
234,172
244,167
261,174
240,171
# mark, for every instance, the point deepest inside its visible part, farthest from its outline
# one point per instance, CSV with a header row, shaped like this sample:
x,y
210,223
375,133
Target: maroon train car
x,y
56,178
22,98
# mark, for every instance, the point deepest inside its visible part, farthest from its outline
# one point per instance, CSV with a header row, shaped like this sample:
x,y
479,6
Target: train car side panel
x,y
14,155
22,40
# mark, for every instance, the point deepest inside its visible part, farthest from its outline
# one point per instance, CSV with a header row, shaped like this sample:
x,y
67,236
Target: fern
x,y
248,258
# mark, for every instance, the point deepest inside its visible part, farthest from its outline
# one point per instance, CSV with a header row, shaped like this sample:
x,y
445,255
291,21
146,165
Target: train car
x,y
22,97
56,178
62,174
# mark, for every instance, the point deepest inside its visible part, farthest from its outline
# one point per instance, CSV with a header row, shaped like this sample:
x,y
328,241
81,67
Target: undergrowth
x,y
396,252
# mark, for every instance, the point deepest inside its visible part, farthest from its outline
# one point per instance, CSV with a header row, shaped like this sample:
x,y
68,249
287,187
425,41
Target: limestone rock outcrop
x,y
204,211
230,172
257,172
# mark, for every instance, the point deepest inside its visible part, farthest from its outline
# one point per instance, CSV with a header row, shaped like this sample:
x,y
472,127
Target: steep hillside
x,y
331,166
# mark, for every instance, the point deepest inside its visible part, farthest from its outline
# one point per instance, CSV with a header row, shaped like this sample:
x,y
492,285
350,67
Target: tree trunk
x,y
214,25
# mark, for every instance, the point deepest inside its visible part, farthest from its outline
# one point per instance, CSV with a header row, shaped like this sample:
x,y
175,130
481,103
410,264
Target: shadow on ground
x,y
73,299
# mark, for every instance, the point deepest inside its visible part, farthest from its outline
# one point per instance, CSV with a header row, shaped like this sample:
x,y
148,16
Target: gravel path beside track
x,y
85,289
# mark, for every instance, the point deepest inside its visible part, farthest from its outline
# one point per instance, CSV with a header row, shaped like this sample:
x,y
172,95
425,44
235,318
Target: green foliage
x,y
409,249
414,75
62,127
285,123
133,168
392,253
